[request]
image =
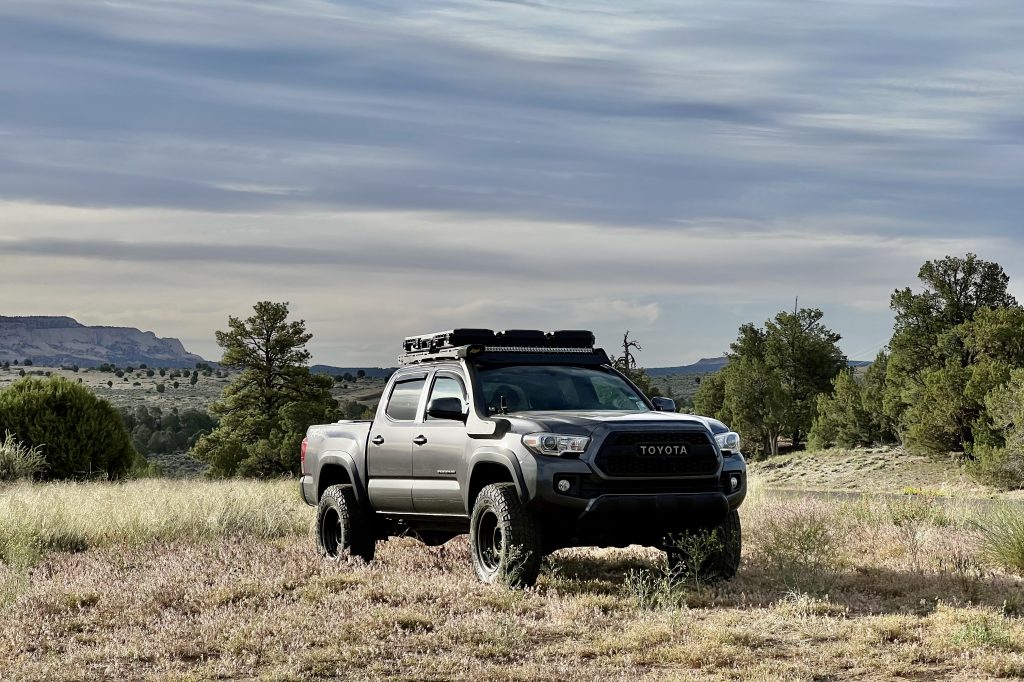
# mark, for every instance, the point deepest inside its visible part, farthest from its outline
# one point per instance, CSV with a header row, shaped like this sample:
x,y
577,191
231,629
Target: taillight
x,y
302,450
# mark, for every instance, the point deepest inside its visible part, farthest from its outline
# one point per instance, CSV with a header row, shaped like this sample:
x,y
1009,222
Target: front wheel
x,y
342,528
504,539
713,555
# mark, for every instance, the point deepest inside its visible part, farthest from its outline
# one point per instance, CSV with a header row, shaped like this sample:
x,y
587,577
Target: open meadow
x,y
196,580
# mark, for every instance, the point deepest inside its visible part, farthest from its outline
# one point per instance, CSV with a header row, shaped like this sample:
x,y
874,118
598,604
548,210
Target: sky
x,y
396,167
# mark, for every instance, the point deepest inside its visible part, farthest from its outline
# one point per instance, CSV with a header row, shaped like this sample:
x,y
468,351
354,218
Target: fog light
x,y
564,485
734,483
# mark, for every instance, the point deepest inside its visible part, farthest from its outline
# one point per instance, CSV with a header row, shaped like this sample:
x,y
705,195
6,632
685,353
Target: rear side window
x,y
405,398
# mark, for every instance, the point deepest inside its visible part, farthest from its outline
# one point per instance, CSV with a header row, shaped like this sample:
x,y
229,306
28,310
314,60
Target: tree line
x,y
155,432
950,380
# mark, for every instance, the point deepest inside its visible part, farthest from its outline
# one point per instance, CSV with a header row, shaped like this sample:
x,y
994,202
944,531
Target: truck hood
x,y
588,422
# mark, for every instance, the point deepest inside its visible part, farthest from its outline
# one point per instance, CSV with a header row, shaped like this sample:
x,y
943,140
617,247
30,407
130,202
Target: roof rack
x,y
518,345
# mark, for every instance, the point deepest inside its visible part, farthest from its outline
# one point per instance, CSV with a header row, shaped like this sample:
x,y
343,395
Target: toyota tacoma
x,y
530,442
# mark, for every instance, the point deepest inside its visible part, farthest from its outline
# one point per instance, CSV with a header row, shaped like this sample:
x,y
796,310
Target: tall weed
x,y
17,460
680,579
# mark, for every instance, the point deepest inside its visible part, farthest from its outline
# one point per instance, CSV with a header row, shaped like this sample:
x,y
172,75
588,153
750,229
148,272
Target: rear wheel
x,y
342,528
719,558
504,539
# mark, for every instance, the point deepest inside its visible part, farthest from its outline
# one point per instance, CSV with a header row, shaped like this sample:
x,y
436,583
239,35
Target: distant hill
x,y
710,365
374,372
55,341
702,366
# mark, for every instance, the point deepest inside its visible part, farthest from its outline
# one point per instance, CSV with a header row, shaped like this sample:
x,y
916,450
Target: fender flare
x,y
502,457
347,462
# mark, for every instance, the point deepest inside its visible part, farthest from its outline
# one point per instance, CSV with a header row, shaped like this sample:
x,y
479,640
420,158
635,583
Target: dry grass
x,y
875,470
39,519
906,598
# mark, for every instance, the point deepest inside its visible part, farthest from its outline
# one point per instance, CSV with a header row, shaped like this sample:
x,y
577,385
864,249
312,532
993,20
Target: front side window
x,y
447,387
405,398
557,387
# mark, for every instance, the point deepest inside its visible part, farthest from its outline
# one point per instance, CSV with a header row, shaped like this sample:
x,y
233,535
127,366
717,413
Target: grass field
x,y
161,580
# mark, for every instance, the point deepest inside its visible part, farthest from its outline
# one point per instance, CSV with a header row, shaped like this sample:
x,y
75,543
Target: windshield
x,y
557,387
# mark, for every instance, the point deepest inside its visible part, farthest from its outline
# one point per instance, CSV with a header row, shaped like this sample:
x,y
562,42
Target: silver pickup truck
x,y
530,442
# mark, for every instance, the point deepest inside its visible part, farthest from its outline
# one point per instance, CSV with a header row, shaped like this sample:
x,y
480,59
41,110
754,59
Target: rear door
x,y
439,452
389,451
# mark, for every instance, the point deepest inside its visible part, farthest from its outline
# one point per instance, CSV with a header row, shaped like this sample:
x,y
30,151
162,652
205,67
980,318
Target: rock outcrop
x,y
55,341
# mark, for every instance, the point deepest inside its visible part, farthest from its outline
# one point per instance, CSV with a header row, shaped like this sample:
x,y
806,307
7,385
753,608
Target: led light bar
x,y
456,343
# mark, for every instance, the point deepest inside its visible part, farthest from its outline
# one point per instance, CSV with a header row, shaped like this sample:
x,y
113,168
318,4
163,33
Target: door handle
x,y
378,440
420,440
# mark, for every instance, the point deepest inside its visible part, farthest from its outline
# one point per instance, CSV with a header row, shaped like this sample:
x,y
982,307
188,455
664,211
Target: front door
x,y
389,452
439,453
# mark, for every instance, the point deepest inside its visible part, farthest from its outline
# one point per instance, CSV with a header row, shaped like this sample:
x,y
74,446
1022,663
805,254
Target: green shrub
x,y
999,467
18,460
801,547
82,435
1002,537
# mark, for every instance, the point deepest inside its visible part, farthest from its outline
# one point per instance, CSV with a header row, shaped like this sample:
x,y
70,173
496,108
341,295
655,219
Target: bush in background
x,y
19,461
82,436
1003,467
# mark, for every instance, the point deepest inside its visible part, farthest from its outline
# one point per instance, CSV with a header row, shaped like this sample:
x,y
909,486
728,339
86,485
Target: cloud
x,y
432,164
387,275
617,310
572,112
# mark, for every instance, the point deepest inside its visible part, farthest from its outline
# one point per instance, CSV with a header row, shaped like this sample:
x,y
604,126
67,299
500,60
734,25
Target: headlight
x,y
729,441
555,445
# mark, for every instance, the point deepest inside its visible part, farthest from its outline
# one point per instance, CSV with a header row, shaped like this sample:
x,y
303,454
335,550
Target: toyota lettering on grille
x,y
661,450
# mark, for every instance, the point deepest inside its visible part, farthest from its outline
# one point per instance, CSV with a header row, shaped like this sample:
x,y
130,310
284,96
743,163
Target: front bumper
x,y
666,512
592,508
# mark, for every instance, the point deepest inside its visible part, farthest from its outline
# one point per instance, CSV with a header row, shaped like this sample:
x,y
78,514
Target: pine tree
x,y
265,411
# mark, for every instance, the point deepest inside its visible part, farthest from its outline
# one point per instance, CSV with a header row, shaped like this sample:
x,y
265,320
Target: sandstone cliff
x,y
55,341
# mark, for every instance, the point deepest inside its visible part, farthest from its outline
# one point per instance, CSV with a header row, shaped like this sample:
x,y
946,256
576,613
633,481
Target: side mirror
x,y
664,404
446,408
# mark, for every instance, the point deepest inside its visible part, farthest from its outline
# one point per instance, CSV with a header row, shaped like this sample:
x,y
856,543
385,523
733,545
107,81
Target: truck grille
x,y
627,454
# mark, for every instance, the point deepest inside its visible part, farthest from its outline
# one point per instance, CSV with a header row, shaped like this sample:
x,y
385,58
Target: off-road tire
x,y
722,563
504,540
342,528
